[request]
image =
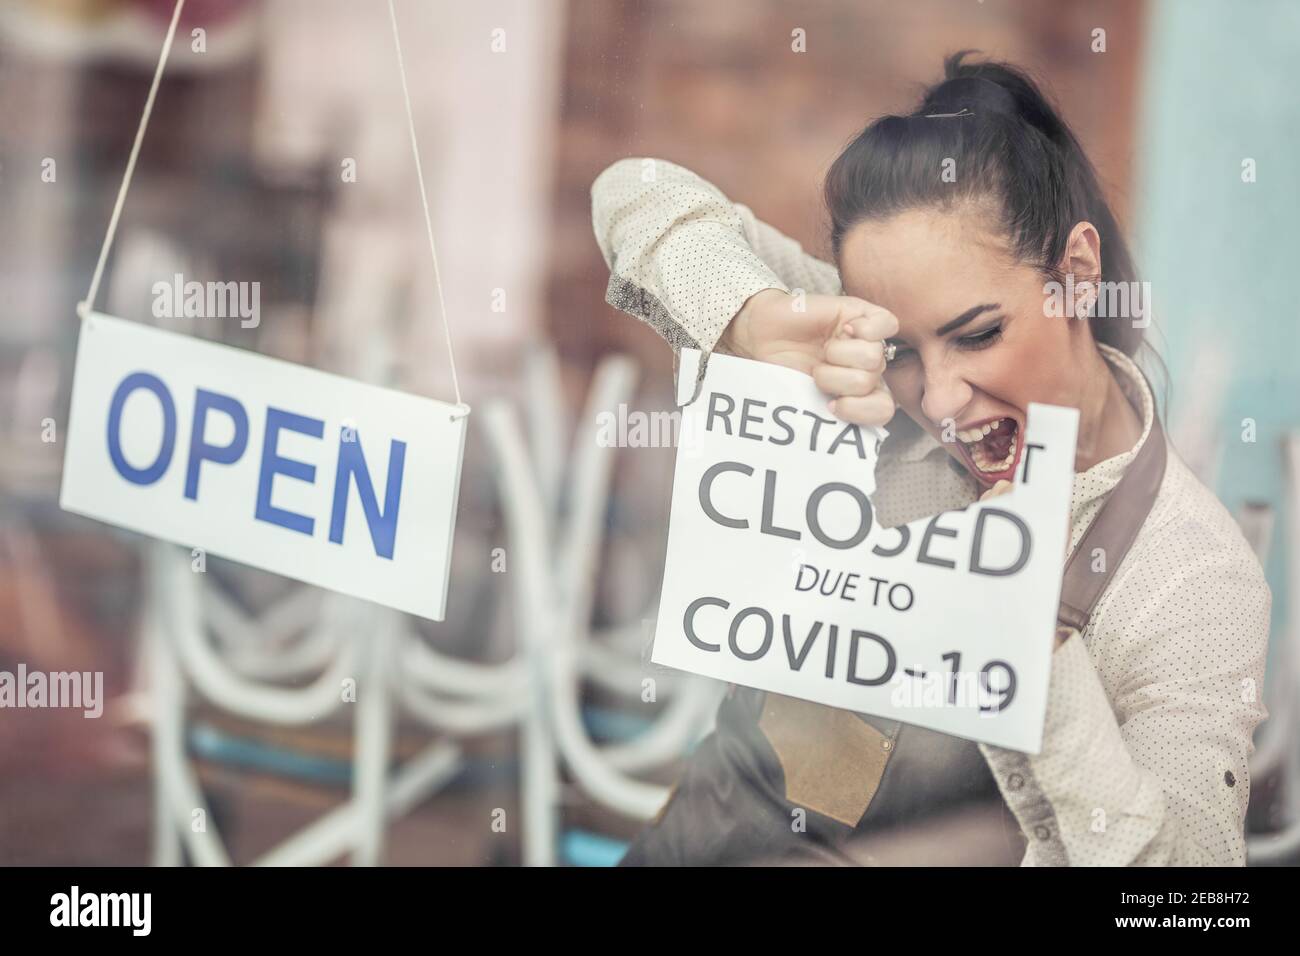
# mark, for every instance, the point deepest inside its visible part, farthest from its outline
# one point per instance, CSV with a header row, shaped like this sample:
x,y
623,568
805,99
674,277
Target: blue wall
x,y
1223,256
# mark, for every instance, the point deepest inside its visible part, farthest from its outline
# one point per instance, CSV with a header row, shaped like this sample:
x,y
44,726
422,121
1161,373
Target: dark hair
x,y
1011,146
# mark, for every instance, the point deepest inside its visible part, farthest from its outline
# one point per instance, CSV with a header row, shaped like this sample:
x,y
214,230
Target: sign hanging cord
x,y
87,305
84,307
424,201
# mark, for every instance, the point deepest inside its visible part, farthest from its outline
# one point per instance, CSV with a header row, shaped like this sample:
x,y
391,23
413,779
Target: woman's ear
x,y
1082,258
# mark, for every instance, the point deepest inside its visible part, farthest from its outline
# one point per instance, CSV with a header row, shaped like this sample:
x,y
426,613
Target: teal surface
x,y
1221,254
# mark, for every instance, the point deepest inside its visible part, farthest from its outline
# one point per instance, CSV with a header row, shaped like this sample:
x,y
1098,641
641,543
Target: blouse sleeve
x,y
683,258
1153,770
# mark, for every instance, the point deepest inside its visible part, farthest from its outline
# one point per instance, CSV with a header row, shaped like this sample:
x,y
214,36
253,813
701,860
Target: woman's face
x,y
975,344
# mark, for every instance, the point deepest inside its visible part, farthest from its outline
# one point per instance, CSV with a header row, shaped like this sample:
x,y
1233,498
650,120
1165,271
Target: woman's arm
x,y
1151,771
683,258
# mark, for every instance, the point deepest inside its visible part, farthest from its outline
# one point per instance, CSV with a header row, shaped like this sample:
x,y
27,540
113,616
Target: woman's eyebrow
x,y
965,317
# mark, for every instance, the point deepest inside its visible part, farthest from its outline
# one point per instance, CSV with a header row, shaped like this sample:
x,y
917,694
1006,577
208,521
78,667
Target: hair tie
x,y
962,112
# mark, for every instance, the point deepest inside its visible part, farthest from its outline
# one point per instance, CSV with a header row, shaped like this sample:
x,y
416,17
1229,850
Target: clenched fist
x,y
837,339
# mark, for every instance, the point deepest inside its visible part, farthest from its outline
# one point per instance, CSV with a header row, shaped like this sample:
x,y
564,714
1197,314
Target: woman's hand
x,y
837,339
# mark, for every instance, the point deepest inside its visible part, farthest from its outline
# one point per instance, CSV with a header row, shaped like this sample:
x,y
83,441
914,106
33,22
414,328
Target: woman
x,y
955,230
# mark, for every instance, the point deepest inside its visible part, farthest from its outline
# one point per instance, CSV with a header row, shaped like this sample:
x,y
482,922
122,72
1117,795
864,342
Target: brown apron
x,y
783,780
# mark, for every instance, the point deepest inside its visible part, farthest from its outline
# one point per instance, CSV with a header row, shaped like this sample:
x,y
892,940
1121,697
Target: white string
x,y
88,304
424,201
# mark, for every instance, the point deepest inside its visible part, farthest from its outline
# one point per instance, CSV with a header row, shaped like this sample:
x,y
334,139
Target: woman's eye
x,y
981,339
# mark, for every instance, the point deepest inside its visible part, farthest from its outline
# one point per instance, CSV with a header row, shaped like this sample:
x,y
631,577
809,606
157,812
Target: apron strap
x,y
1113,530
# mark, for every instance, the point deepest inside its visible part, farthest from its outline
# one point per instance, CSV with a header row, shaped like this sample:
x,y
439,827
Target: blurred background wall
x,y
1218,196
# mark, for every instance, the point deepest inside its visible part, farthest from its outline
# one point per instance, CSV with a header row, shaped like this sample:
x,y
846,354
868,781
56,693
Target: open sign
x,y
351,467
307,474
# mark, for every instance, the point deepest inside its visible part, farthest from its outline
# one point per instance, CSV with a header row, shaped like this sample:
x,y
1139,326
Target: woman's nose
x,y
945,396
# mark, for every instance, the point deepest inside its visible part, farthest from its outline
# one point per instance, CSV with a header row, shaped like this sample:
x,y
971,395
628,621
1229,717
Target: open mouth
x,y
992,448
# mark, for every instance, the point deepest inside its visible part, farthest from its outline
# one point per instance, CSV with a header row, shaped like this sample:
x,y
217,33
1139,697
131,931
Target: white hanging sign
x,y
303,473
779,577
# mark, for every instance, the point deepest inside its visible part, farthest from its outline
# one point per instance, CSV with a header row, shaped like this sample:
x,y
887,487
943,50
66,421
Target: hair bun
x,y
995,88
975,93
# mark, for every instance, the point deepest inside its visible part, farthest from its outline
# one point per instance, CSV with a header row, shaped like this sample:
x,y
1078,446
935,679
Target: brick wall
x,y
716,87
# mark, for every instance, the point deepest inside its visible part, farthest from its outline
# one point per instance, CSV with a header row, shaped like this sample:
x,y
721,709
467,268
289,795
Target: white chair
x,y
198,639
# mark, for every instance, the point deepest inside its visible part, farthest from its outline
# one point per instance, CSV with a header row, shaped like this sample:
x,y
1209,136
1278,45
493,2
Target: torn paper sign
x,y
779,577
